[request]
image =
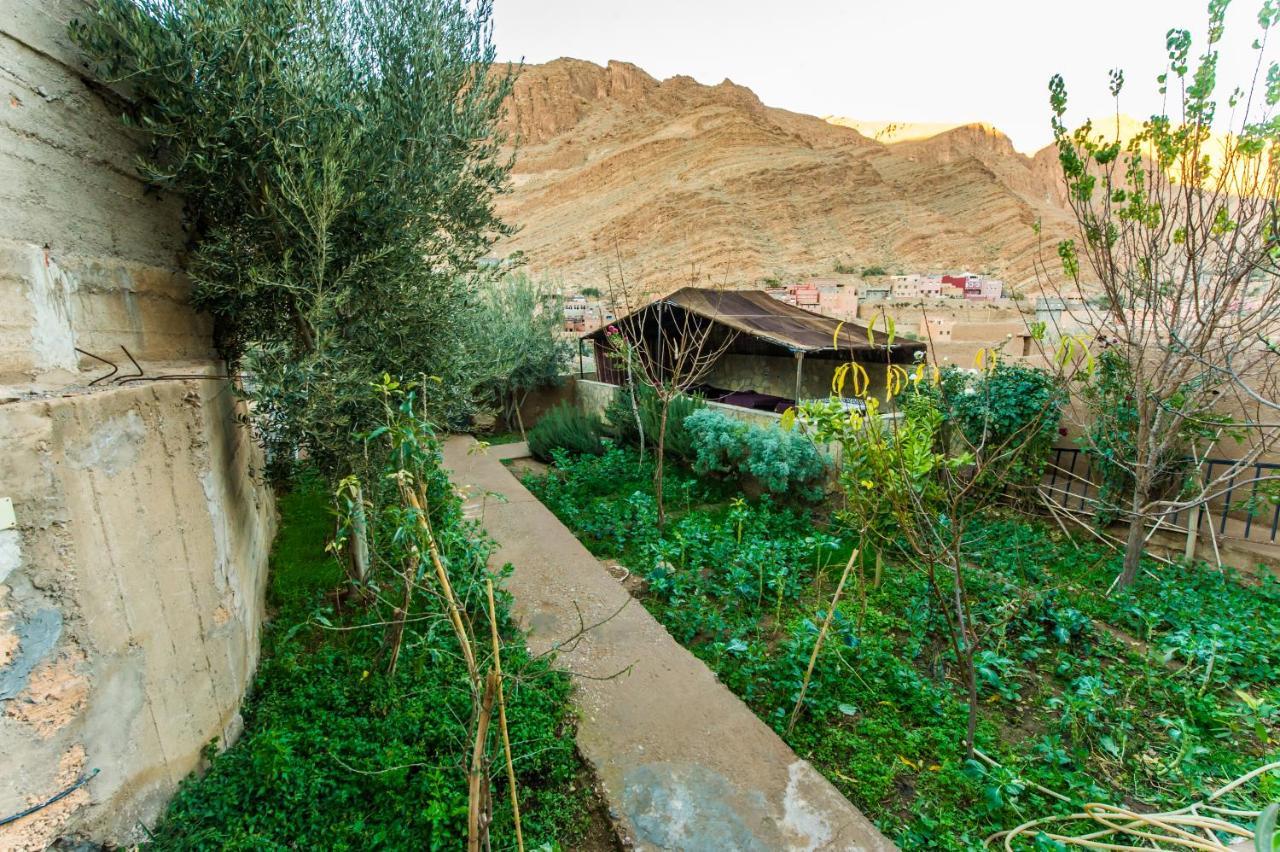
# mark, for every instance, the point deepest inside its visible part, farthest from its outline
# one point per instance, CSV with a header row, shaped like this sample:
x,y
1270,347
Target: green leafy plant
x,y
1010,412
566,427
781,463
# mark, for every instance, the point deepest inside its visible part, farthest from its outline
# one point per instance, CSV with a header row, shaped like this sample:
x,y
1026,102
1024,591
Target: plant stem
x,y
502,715
817,645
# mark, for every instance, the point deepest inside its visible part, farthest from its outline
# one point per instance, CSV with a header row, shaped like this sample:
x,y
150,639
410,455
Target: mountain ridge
x,y
621,175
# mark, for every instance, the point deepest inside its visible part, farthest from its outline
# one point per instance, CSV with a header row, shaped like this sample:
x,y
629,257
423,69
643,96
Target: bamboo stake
x,y
817,646
502,714
418,501
402,614
478,788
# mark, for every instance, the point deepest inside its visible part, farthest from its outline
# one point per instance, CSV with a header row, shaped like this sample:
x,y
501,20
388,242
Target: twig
x,y
1164,830
817,645
502,713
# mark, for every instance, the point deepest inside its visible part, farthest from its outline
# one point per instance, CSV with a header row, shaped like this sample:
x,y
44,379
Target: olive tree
x,y
339,163
517,344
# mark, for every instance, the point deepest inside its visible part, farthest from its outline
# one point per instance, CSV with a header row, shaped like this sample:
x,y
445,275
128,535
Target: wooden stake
x,y
817,646
478,789
419,502
502,715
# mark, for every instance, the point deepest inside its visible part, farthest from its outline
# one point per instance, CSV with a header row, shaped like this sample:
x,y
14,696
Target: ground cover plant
x,y
337,751
1071,705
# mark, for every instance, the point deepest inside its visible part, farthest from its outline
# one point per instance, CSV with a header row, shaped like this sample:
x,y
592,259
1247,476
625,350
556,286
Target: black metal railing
x,y
1069,478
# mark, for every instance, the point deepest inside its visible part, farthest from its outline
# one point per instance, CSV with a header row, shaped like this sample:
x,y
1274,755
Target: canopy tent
x,y
760,325
759,316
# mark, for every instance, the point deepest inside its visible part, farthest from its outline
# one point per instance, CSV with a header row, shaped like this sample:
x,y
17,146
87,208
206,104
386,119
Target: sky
x,y
888,60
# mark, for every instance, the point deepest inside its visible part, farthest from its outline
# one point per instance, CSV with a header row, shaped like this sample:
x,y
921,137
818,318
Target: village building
x,y
936,329
582,314
826,296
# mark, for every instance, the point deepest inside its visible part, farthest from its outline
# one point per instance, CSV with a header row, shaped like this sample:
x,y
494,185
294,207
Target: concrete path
x,y
684,763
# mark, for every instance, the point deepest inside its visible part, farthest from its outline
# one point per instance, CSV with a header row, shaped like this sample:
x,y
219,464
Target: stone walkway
x,y
684,763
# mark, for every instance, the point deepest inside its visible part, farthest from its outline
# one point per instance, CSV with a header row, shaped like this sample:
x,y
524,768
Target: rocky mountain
x,y
672,180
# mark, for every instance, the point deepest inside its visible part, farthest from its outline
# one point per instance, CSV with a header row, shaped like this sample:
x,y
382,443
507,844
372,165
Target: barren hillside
x,y
676,176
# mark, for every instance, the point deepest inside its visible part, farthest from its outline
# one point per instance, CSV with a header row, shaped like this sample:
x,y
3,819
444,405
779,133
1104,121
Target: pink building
x,y
905,286
936,329
984,289
820,295
806,295
930,288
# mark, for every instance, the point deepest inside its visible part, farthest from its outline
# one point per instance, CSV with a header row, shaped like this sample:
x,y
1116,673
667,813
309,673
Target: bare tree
x,y
1173,283
669,350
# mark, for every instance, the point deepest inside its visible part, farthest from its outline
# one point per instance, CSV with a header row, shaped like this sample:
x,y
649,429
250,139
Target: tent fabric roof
x,y
756,313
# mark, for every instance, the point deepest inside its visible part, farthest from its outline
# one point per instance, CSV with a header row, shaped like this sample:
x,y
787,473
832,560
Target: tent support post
x,y
799,373
581,372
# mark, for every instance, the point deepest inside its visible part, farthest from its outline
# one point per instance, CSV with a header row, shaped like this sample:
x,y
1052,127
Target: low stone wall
x,y
593,397
777,375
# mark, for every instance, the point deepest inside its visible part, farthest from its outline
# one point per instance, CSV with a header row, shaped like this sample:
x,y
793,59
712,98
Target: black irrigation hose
x,y
84,779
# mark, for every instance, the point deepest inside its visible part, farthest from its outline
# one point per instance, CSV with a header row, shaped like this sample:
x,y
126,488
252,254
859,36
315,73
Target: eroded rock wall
x,y
133,563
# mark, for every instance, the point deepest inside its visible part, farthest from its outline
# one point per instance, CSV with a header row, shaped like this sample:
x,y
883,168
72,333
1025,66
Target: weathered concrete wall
x,y
777,375
83,242
130,598
593,397
132,573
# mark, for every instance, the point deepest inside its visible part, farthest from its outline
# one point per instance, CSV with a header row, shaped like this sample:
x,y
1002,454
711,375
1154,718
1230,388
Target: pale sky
x,y
899,60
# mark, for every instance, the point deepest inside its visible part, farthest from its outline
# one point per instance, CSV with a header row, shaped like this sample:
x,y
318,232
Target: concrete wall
x,y
542,400
133,566
593,397
777,375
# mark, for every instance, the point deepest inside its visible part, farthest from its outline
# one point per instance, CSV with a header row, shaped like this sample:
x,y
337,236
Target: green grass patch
x,y
337,755
1065,703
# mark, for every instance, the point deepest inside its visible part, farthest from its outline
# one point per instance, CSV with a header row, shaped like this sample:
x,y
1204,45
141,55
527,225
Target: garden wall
x,y
133,536
777,375
593,397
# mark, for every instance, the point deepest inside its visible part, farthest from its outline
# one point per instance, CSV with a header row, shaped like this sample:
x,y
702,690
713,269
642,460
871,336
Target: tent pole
x,y
799,372
581,373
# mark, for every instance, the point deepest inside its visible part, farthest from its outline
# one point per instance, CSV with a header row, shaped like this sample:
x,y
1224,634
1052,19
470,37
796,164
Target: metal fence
x,y
1236,514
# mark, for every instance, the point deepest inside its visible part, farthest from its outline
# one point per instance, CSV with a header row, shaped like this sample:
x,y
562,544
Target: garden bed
x,y
1067,706
336,754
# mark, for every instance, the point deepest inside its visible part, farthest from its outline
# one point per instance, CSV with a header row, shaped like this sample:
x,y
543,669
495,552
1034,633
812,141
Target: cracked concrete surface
x,y
684,763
